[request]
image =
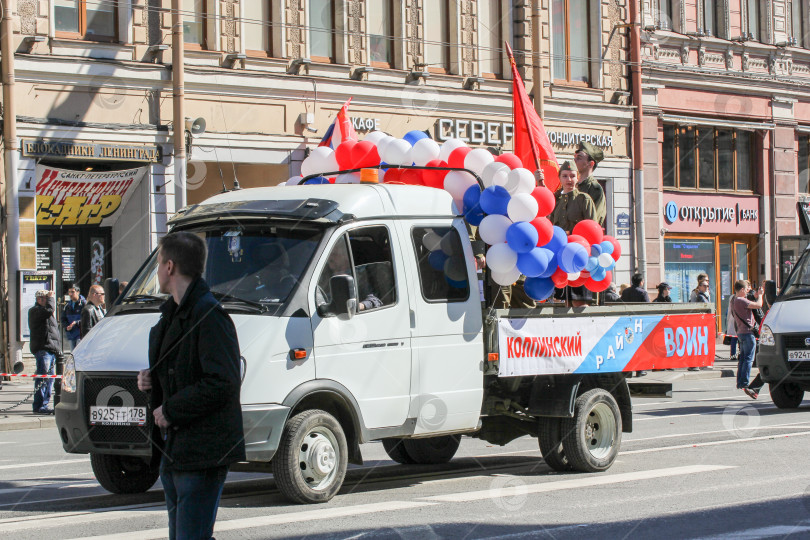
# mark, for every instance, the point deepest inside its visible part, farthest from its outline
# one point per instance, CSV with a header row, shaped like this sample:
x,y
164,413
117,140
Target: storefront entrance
x,y
78,255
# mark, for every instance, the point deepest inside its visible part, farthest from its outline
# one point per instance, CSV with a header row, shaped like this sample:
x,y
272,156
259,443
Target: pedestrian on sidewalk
x,y
731,331
742,309
700,279
72,316
94,311
663,293
194,379
45,345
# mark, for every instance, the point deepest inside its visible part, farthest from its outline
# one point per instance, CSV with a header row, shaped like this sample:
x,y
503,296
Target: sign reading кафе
x,y
91,151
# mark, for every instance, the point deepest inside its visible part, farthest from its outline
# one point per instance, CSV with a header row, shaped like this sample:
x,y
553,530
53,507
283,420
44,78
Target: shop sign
x,y
567,138
67,197
90,151
623,224
474,131
364,125
711,213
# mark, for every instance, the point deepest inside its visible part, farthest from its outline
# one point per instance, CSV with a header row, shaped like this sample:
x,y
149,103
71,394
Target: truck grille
x,y
799,368
795,341
116,435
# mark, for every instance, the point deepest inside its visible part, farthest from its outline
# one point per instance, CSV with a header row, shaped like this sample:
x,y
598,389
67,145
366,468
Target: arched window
x,y
571,34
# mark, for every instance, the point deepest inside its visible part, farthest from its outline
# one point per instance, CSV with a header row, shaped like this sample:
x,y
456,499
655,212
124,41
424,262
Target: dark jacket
x,y
571,208
758,315
660,298
701,298
594,190
194,360
611,297
90,318
635,294
43,328
73,313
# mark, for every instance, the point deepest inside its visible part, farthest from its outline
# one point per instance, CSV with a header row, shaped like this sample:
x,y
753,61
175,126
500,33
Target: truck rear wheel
x,y
591,439
551,446
311,461
433,450
395,448
786,395
124,474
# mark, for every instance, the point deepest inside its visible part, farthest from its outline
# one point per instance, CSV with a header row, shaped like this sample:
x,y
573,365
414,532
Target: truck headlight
x,y
69,374
766,337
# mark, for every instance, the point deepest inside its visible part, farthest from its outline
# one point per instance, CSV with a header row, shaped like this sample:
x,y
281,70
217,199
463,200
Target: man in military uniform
x,y
586,159
572,205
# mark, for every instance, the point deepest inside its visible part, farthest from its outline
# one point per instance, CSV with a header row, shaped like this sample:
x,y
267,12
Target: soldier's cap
x,y
40,293
595,153
566,166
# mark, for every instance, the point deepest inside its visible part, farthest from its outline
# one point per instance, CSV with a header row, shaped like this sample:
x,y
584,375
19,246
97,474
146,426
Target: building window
x,y
380,21
257,18
753,19
665,14
799,22
321,30
572,42
437,36
194,24
93,20
714,17
804,164
490,37
707,158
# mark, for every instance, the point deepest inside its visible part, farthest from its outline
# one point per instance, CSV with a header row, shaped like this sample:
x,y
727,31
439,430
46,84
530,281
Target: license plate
x,y
117,416
798,355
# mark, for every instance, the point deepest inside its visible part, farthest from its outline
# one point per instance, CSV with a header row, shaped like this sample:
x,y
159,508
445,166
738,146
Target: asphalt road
x,y
710,463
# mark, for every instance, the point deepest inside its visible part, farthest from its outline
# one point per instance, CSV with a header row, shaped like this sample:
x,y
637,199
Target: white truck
x,y
360,318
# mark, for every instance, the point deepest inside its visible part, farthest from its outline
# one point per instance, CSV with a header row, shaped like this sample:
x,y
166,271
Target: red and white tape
x,y
32,376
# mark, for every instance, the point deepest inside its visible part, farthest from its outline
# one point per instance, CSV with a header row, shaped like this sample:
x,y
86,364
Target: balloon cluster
x,y
510,211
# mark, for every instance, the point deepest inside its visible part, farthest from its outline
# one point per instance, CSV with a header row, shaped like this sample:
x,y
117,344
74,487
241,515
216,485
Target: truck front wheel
x,y
591,439
433,450
311,461
786,395
551,446
124,474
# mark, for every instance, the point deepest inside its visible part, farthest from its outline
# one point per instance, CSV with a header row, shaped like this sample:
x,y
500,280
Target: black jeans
x,y
192,499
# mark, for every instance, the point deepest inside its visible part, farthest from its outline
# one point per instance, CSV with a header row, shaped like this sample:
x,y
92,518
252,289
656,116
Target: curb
x,y
10,423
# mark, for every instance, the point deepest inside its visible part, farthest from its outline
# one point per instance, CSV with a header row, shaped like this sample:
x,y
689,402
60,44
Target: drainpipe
x,y
638,138
537,66
11,158
178,106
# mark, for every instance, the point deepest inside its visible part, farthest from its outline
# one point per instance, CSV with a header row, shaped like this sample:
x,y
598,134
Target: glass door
x,y
727,278
741,262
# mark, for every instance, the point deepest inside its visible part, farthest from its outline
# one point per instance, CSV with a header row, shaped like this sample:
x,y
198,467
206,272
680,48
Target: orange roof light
x,y
298,354
492,357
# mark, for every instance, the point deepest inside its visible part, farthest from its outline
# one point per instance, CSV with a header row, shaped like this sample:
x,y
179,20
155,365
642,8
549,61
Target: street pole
x,y
178,106
638,138
536,56
12,345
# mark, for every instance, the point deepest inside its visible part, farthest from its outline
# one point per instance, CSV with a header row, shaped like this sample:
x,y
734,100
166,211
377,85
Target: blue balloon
x,y
495,200
558,240
538,288
533,263
456,284
437,259
593,264
471,198
552,264
317,180
521,237
596,250
415,135
599,274
572,258
607,247
475,216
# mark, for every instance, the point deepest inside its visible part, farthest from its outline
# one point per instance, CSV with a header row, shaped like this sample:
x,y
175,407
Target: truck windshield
x,y
249,265
798,284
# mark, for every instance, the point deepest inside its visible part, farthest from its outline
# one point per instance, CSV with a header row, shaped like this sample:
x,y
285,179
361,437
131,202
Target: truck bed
x,y
555,340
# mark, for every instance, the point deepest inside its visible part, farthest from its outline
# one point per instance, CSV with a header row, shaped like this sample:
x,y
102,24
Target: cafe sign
x,y
90,151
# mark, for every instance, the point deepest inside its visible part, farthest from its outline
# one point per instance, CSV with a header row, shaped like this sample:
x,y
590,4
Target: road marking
x,y
600,480
792,425
716,443
279,519
666,417
781,531
45,464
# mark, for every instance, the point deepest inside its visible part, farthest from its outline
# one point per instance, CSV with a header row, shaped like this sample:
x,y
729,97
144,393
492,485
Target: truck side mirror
x,y
344,299
770,291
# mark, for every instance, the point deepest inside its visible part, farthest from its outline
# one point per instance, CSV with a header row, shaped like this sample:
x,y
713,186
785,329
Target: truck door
x,y
447,329
370,353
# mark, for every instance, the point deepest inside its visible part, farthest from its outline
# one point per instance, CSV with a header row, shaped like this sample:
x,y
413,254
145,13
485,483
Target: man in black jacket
x,y
44,344
194,377
94,311
636,293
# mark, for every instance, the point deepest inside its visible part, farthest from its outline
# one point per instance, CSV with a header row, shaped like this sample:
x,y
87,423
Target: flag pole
x,y
516,78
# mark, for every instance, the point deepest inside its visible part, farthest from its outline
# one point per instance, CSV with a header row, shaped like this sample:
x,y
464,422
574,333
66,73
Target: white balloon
x,y
375,136
606,260
322,159
573,276
505,278
501,258
493,229
520,181
294,180
476,160
495,174
397,152
383,143
432,241
522,207
448,146
424,150
348,178
455,269
458,182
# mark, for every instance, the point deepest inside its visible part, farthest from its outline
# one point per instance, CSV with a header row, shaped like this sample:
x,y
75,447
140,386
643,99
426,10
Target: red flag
x,y
531,142
341,129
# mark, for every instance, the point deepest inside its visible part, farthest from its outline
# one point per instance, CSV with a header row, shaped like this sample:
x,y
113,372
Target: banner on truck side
x,y
540,346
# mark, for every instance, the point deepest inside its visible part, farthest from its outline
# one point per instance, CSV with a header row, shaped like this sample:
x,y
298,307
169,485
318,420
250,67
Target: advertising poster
x,y
29,283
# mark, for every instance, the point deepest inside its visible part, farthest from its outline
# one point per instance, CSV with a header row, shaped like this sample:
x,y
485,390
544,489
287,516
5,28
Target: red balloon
x,y
343,154
434,178
560,278
617,248
545,230
412,177
510,160
599,286
590,230
393,176
545,201
457,156
364,154
581,241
